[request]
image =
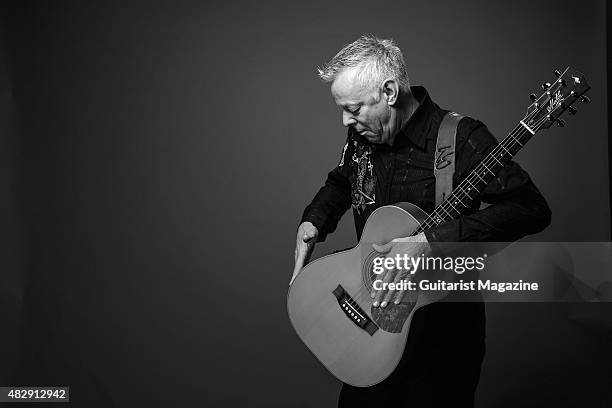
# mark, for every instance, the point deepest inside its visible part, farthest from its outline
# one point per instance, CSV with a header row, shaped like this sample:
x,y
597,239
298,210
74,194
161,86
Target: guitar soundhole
x,y
367,273
392,317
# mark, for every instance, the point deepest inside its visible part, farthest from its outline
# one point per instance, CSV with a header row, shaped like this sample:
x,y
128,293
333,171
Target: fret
x,y
442,208
460,199
535,120
488,169
464,193
508,147
481,179
515,140
493,157
470,183
506,150
452,205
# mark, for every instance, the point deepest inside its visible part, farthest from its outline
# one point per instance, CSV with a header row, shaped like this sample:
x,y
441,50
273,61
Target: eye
x,y
354,111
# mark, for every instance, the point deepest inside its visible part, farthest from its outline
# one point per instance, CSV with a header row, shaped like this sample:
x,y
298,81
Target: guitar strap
x,y
444,165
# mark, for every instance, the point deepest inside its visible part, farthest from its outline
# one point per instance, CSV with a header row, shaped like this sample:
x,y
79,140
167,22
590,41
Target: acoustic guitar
x,y
329,301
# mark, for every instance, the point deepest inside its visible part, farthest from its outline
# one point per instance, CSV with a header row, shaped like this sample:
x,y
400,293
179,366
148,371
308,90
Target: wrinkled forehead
x,y
347,87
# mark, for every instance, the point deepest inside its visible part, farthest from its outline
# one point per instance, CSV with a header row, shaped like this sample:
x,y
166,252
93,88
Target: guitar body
x,y
331,310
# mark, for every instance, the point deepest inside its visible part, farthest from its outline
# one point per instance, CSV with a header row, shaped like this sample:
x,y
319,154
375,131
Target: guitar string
x,y
489,161
364,293
486,166
514,138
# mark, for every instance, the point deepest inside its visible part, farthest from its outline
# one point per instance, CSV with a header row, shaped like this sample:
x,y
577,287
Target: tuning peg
x,y
545,85
585,99
560,122
533,97
557,73
572,110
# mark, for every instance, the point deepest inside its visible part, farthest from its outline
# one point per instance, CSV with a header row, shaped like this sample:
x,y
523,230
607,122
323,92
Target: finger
x,y
302,257
399,296
305,244
383,248
300,248
379,294
299,262
296,270
301,254
381,277
308,251
391,293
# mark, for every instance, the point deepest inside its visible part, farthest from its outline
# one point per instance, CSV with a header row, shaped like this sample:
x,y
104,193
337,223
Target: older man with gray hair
x,y
388,157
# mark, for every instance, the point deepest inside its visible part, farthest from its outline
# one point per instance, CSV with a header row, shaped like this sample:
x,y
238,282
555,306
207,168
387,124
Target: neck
x,y
401,115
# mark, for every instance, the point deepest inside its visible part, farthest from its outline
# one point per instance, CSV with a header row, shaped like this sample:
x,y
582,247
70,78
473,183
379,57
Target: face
x,y
363,108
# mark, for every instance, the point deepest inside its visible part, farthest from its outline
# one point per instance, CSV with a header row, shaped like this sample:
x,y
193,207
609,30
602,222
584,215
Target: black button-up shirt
x,y
372,175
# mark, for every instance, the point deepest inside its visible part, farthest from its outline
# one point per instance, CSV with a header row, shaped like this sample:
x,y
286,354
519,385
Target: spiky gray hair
x,y
378,59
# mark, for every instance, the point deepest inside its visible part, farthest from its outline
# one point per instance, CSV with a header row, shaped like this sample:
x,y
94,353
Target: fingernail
x,y
372,295
375,304
397,302
383,304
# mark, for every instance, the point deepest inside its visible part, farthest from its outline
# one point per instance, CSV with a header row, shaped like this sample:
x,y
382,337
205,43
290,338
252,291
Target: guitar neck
x,y
557,98
471,187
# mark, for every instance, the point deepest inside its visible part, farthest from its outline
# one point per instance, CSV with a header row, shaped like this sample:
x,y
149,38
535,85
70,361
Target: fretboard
x,y
471,187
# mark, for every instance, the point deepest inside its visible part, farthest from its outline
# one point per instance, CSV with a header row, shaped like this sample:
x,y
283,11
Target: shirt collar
x,y
416,128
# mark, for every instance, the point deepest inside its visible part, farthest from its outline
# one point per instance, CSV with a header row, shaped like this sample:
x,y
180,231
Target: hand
x,y
307,235
412,246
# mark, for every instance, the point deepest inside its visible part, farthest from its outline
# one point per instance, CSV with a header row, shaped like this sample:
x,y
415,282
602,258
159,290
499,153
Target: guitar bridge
x,y
352,310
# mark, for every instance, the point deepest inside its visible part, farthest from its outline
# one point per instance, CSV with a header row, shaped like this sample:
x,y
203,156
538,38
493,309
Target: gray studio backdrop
x,y
159,156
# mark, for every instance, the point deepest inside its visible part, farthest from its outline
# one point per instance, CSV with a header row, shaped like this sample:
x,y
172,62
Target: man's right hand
x,y
307,235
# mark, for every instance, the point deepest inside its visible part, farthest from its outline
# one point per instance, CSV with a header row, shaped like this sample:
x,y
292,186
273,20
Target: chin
x,y
371,137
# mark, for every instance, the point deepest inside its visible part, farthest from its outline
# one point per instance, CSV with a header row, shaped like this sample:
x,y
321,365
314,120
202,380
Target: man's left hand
x,y
412,246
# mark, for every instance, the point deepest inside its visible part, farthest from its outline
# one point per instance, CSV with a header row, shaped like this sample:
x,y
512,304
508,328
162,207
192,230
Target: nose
x,y
348,119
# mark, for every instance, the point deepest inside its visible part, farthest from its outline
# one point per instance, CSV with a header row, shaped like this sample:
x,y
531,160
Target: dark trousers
x,y
440,366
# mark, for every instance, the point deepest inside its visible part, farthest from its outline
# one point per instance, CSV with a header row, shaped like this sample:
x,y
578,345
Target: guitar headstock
x,y
557,98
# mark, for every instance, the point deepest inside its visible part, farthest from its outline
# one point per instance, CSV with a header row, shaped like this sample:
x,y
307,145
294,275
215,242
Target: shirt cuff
x,y
318,220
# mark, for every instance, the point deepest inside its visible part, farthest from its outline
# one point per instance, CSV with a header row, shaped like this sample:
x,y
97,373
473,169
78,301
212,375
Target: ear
x,y
391,91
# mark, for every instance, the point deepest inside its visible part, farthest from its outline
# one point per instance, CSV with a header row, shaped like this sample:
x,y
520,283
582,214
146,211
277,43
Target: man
x,y
388,157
